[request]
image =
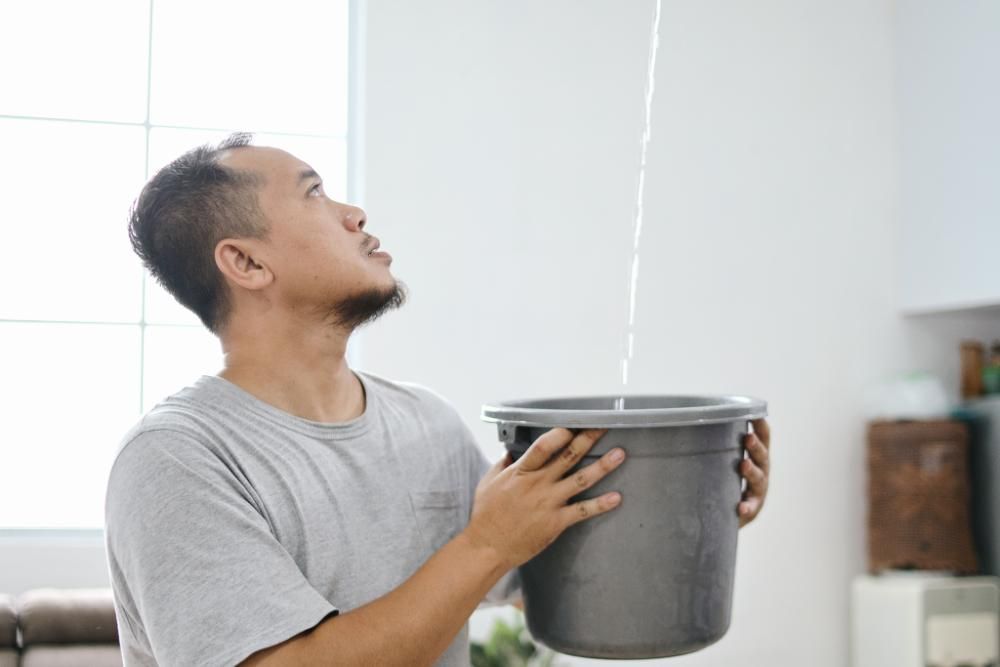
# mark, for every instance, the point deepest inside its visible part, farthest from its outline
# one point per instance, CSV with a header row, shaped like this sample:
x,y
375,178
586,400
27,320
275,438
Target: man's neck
x,y
305,375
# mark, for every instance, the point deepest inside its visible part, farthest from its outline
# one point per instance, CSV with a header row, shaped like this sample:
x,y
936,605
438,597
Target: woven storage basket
x,y
919,497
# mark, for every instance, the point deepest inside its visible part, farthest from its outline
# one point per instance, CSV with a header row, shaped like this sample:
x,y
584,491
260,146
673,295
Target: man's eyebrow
x,y
306,174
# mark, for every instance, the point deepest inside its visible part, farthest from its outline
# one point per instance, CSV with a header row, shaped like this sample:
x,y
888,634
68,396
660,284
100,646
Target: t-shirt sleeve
x,y
193,561
508,589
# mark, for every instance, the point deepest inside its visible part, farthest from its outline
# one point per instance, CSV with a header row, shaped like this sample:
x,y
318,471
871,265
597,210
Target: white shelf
x,y
987,308
948,65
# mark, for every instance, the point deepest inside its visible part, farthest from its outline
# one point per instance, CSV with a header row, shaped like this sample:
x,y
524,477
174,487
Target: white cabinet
x,y
913,619
948,78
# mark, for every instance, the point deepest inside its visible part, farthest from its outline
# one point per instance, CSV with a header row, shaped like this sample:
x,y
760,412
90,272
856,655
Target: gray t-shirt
x,y
232,525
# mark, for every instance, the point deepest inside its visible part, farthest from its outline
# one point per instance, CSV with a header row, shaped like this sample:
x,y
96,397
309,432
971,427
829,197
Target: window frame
x,y
354,144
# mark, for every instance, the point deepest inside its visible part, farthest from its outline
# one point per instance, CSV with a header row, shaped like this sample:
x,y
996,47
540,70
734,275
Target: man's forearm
x,y
412,625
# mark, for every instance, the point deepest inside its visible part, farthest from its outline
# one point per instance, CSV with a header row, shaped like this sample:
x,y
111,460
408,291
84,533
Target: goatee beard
x,y
368,306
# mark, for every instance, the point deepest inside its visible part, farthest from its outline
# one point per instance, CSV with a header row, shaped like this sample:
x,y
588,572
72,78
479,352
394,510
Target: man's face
x,y
321,257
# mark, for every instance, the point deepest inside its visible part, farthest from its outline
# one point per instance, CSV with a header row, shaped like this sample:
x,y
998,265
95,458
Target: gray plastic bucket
x,y
654,577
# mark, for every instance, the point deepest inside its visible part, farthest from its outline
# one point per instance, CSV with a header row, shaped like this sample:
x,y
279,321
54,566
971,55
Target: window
x,y
94,98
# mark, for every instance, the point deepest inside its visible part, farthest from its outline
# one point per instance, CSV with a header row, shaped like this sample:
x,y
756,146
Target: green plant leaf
x,y
510,645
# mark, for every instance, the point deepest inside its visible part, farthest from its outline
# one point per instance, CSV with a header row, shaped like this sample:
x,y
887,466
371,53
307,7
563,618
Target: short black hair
x,y
181,215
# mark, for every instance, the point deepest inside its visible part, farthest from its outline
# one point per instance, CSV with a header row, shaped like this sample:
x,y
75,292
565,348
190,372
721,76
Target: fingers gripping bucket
x,y
654,577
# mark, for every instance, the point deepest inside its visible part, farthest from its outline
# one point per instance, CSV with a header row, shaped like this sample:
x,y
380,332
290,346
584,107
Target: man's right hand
x,y
522,507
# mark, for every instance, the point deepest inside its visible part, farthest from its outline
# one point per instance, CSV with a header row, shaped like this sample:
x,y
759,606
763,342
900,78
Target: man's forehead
x,y
275,165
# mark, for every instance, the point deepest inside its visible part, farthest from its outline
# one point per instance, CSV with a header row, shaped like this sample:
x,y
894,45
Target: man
x,y
290,511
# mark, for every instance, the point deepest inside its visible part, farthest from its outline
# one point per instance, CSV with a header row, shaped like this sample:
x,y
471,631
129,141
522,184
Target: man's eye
x,y
316,189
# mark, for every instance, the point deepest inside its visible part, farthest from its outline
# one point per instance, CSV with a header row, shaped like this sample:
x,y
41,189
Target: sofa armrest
x,y
8,623
60,616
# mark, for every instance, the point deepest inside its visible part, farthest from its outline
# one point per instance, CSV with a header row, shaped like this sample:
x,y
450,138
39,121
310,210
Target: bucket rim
x,y
716,409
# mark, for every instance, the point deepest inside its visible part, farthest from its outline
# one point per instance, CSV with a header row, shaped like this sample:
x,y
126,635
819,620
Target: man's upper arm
x,y
208,580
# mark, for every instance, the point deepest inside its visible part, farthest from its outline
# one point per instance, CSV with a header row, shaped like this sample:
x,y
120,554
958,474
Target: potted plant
x,y
510,645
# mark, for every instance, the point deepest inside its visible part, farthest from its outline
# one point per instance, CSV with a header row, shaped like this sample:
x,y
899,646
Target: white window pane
x,y
70,393
256,65
174,358
326,156
72,59
66,253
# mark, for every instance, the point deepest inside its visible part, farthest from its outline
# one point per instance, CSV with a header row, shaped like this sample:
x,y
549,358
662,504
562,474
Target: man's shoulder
x,y
153,436
177,423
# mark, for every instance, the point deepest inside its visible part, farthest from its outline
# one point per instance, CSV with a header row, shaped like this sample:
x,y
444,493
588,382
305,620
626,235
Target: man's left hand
x,y
756,470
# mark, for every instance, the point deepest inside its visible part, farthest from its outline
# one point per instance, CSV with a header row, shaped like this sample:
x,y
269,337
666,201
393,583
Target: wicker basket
x,y
919,497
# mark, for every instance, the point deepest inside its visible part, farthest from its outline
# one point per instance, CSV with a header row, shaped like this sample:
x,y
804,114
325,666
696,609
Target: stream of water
x,y
633,281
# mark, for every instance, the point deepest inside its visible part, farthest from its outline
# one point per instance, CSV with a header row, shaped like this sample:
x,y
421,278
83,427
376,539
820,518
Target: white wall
x,y
501,152
52,559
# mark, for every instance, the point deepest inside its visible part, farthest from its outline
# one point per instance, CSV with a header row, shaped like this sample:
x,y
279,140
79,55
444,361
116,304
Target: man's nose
x,y
355,219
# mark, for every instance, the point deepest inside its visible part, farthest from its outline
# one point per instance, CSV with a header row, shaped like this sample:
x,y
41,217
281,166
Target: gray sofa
x,y
59,628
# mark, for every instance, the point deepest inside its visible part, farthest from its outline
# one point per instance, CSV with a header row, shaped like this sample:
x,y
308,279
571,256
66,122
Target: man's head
x,y
240,226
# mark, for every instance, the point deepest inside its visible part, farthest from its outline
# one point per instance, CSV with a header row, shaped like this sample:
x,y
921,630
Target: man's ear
x,y
241,261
